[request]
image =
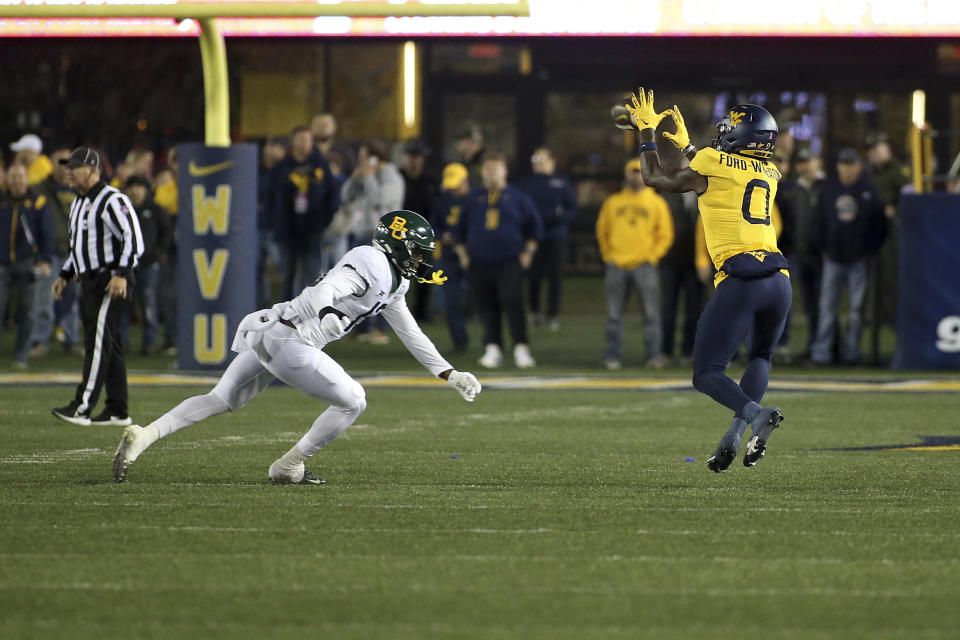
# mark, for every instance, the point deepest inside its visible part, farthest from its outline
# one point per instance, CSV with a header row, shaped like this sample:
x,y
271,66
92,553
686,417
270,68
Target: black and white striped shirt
x,y
104,233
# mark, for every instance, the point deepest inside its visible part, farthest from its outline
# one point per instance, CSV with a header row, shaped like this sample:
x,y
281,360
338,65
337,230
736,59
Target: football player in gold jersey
x,y
735,184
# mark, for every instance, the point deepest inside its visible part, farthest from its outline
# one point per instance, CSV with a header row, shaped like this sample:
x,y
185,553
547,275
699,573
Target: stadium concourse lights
x,y
266,9
918,118
410,81
213,49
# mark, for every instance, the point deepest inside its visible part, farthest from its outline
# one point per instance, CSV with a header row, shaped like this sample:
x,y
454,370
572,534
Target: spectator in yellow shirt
x,y
634,230
165,189
29,153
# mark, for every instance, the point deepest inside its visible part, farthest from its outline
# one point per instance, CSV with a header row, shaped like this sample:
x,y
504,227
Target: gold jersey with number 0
x,y
737,204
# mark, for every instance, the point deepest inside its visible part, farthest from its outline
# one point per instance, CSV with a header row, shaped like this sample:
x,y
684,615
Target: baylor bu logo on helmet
x,y
407,239
747,129
398,227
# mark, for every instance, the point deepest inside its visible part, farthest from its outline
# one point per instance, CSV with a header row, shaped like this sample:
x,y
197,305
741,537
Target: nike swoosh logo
x,y
199,172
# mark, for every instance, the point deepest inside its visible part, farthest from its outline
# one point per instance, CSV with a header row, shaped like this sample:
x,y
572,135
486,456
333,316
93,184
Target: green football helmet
x,y
407,239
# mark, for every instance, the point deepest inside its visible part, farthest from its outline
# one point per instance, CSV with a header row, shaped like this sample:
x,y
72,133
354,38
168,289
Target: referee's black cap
x,y
82,157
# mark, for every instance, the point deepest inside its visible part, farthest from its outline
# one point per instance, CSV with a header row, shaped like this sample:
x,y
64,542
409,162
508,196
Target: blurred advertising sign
x,y
928,304
217,250
547,17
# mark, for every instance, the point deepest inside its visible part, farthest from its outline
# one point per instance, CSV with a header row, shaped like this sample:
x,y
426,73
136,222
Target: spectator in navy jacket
x,y
851,229
306,198
26,250
557,204
64,314
157,236
497,234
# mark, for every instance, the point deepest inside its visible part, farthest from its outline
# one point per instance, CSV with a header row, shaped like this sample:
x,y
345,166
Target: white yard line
x,y
539,383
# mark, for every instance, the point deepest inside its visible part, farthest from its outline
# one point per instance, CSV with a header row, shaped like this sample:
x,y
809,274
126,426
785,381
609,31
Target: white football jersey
x,y
358,286
361,285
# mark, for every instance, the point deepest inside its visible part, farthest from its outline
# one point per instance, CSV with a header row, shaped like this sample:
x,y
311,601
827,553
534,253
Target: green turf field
x,y
528,514
537,514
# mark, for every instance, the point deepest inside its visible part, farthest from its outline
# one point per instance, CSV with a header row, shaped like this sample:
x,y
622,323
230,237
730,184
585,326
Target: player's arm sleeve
x,y
664,234
413,338
123,222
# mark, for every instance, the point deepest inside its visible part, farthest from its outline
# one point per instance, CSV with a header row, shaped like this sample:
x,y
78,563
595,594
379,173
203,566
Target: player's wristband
x,y
646,146
689,148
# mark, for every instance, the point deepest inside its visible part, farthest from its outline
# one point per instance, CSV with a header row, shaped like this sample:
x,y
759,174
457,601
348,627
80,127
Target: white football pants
x,y
278,352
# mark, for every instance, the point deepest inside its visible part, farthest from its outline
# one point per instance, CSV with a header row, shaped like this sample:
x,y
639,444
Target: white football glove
x,y
465,383
333,327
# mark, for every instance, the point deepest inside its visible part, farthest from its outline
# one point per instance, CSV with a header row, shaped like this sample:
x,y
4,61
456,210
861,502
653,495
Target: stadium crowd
x,y
504,240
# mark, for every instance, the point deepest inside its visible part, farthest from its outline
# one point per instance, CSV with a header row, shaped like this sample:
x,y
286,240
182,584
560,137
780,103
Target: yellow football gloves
x,y
436,278
680,139
642,110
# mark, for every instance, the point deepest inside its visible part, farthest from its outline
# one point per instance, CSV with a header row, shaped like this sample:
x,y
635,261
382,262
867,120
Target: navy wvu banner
x,y
928,309
217,254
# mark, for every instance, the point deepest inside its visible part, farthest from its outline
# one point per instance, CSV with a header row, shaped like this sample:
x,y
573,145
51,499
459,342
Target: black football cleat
x,y
309,478
756,447
721,460
769,420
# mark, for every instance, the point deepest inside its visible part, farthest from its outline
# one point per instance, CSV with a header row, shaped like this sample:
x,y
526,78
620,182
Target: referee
x,y
105,245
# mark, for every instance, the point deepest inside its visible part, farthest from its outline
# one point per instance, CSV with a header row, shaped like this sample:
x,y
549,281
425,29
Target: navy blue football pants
x,y
736,307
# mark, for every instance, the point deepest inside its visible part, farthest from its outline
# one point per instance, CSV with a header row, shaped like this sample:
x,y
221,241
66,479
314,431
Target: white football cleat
x,y
522,357
133,442
492,357
300,475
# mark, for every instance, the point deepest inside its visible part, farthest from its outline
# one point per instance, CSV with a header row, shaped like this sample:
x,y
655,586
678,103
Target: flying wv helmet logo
x,y
398,228
736,117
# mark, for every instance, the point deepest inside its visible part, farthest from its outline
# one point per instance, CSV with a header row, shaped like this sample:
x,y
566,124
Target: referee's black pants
x,y
498,289
103,362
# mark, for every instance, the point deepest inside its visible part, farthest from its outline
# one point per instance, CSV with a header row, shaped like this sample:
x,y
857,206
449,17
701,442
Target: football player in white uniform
x,y
287,341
